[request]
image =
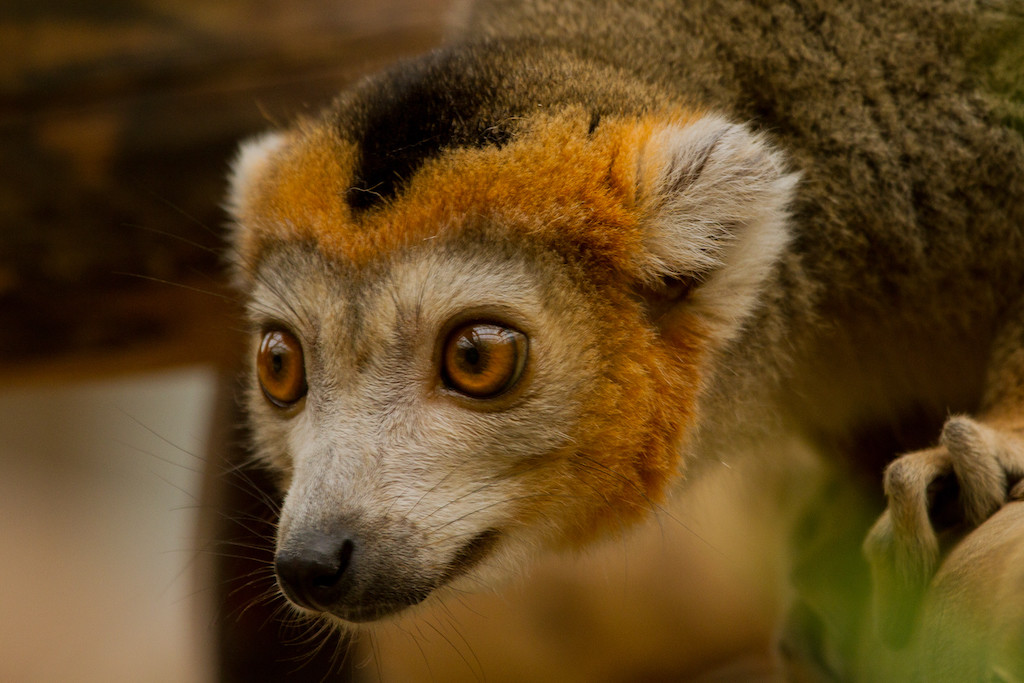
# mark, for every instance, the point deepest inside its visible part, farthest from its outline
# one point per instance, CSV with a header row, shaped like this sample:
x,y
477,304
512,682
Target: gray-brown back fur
x,y
908,222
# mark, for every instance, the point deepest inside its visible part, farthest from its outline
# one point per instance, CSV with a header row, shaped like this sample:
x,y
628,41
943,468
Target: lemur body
x,y
506,294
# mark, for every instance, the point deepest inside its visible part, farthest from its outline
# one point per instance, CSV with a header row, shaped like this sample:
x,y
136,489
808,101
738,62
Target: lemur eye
x,y
280,368
483,360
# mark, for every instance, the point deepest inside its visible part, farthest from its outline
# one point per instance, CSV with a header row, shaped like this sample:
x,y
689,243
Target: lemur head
x,y
482,317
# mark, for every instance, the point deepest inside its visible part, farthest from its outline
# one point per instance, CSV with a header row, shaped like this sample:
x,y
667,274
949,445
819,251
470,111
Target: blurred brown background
x,y
117,121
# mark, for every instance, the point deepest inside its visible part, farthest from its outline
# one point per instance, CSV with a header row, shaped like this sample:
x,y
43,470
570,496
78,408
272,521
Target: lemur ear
x,y
247,170
715,198
252,157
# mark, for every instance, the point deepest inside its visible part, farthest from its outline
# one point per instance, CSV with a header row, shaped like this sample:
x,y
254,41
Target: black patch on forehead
x,y
471,95
445,100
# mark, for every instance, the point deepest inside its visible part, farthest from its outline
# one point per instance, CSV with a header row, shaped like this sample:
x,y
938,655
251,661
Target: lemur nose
x,y
312,570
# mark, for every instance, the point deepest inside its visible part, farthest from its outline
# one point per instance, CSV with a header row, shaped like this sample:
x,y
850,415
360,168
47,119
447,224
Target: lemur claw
x,y
935,497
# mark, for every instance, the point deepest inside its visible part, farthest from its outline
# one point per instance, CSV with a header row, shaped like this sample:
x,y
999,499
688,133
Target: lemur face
x,y
438,415
503,352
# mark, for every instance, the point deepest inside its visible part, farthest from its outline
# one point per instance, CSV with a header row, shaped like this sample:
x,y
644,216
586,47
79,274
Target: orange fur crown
x,y
572,191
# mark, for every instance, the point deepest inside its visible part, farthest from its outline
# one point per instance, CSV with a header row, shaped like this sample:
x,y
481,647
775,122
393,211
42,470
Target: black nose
x,y
313,570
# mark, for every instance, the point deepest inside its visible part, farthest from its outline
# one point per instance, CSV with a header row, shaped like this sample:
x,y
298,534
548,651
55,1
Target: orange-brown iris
x,y
483,360
281,369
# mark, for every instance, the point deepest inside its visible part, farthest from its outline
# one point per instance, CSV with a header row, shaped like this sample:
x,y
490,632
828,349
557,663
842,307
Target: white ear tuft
x,y
717,199
251,158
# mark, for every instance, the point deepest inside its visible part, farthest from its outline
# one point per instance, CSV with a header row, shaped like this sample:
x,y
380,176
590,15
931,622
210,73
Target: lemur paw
x,y
936,496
